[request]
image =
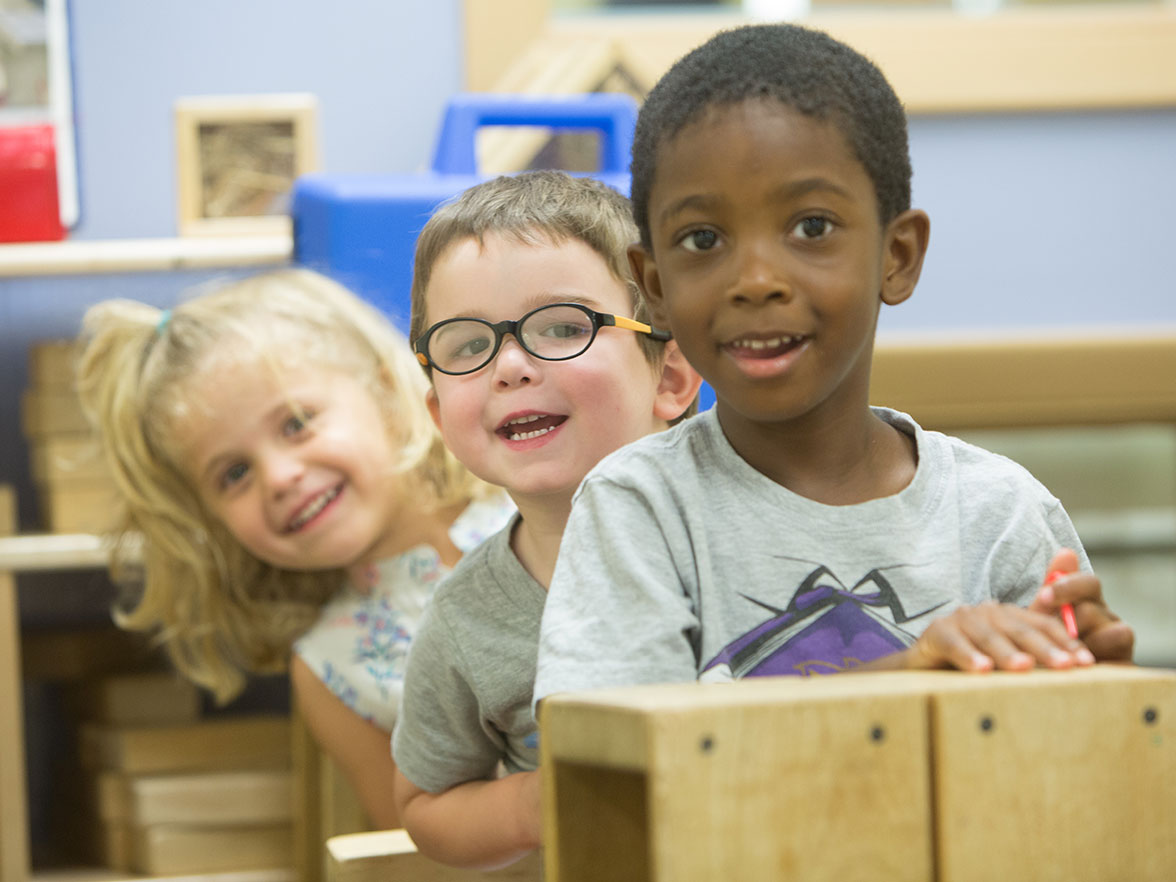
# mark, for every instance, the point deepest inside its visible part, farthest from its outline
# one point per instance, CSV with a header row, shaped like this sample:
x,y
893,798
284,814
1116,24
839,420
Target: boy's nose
x,y
513,365
759,277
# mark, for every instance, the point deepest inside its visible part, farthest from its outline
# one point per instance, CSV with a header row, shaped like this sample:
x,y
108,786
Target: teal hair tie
x,y
164,318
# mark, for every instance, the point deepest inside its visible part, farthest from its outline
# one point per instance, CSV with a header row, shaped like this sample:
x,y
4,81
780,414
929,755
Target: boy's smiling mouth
x,y
532,425
762,356
764,347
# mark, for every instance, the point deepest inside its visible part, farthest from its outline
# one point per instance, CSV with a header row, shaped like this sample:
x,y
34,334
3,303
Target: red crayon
x,y
1067,608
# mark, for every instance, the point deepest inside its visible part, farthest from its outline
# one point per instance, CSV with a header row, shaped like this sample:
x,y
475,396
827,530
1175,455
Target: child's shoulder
x,y
686,446
486,560
975,469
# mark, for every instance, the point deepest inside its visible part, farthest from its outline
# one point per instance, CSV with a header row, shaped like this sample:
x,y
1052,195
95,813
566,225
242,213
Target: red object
x,y
1068,618
28,185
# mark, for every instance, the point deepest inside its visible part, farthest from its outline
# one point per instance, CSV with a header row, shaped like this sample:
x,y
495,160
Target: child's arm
x,y
362,749
478,824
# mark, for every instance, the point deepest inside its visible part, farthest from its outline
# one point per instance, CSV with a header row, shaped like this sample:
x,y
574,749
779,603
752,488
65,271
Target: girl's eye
x,y
700,240
815,227
234,474
295,424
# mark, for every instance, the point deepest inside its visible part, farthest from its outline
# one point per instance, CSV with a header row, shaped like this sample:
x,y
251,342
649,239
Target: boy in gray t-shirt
x,y
793,528
521,305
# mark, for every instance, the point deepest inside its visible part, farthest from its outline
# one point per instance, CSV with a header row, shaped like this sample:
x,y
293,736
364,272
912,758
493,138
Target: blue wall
x,y
1044,221
381,71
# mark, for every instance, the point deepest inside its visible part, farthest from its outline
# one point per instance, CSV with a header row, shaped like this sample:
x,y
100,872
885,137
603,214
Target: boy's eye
x,y
473,347
700,240
813,227
566,330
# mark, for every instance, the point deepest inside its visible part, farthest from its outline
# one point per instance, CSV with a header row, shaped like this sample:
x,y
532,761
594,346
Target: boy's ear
x,y
678,386
905,248
645,273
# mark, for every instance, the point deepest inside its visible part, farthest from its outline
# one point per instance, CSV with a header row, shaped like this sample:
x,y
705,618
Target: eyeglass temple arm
x,y
634,325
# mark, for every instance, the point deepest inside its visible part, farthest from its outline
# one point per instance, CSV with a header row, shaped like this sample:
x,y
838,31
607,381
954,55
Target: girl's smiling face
x,y
300,468
769,262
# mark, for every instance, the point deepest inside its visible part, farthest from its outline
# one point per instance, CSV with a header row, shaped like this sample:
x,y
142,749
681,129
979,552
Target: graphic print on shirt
x,y
826,627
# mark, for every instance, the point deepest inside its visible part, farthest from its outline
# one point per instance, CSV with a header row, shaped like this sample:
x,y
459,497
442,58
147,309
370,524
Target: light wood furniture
x,y
1076,56
899,776
14,819
390,856
325,804
24,554
946,383
142,255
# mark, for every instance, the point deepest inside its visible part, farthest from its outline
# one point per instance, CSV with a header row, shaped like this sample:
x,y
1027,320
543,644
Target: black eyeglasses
x,y
555,332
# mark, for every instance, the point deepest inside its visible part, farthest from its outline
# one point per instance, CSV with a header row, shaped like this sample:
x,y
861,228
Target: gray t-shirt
x,y
466,704
680,561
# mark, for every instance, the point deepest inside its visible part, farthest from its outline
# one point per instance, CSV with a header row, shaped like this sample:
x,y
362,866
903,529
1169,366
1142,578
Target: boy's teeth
x,y
764,344
314,508
525,419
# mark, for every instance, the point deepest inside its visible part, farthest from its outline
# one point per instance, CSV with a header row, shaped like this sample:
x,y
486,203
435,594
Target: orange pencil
x,y
1068,619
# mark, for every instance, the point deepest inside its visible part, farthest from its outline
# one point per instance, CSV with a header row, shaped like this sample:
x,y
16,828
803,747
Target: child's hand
x,y
997,636
1108,638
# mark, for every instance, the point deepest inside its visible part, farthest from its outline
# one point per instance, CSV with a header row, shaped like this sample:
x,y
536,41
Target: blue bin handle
x,y
613,115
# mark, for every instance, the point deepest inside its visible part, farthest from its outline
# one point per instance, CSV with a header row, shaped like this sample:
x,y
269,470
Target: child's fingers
x,y
1072,588
1064,561
1113,641
1017,639
944,645
1005,653
999,636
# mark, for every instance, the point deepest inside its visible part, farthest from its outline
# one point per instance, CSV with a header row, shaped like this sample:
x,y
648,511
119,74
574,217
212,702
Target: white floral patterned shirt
x,y
359,644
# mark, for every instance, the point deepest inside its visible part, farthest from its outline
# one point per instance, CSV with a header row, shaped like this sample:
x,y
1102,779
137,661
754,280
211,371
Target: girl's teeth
x,y
314,508
524,436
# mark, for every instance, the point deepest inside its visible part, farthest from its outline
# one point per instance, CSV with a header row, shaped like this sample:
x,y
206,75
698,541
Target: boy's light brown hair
x,y
536,208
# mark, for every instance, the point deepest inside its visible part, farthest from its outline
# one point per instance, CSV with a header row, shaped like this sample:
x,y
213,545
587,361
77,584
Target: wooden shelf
x,y
142,255
49,551
99,874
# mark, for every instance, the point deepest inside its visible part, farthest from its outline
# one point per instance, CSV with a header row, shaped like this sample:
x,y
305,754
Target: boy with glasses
x,y
521,308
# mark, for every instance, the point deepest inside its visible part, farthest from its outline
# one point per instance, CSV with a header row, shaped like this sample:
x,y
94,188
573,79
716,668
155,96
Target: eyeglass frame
x,y
501,329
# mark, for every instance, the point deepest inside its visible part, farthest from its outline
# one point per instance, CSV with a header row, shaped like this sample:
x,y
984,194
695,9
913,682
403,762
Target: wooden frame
x,y
939,61
1077,379
237,158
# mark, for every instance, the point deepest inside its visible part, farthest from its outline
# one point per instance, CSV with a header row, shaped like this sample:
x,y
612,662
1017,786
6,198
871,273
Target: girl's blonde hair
x,y
217,609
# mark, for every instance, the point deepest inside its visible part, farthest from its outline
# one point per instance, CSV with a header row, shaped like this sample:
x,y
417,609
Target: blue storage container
x,y
361,229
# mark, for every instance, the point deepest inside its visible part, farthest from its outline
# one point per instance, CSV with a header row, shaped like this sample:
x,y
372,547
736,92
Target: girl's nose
x,y
513,365
281,472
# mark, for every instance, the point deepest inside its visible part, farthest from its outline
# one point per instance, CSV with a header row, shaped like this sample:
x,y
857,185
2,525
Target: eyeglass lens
x,y
552,333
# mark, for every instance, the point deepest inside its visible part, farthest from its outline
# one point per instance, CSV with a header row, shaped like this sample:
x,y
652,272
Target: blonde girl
x,y
289,489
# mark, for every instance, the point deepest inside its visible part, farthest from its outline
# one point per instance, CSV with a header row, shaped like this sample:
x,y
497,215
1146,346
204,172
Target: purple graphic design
x,y
825,628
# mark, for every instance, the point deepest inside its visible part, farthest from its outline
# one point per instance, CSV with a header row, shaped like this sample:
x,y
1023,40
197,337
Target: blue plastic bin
x,y
361,229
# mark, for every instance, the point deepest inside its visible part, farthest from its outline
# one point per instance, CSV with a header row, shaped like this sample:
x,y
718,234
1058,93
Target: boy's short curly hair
x,y
803,69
